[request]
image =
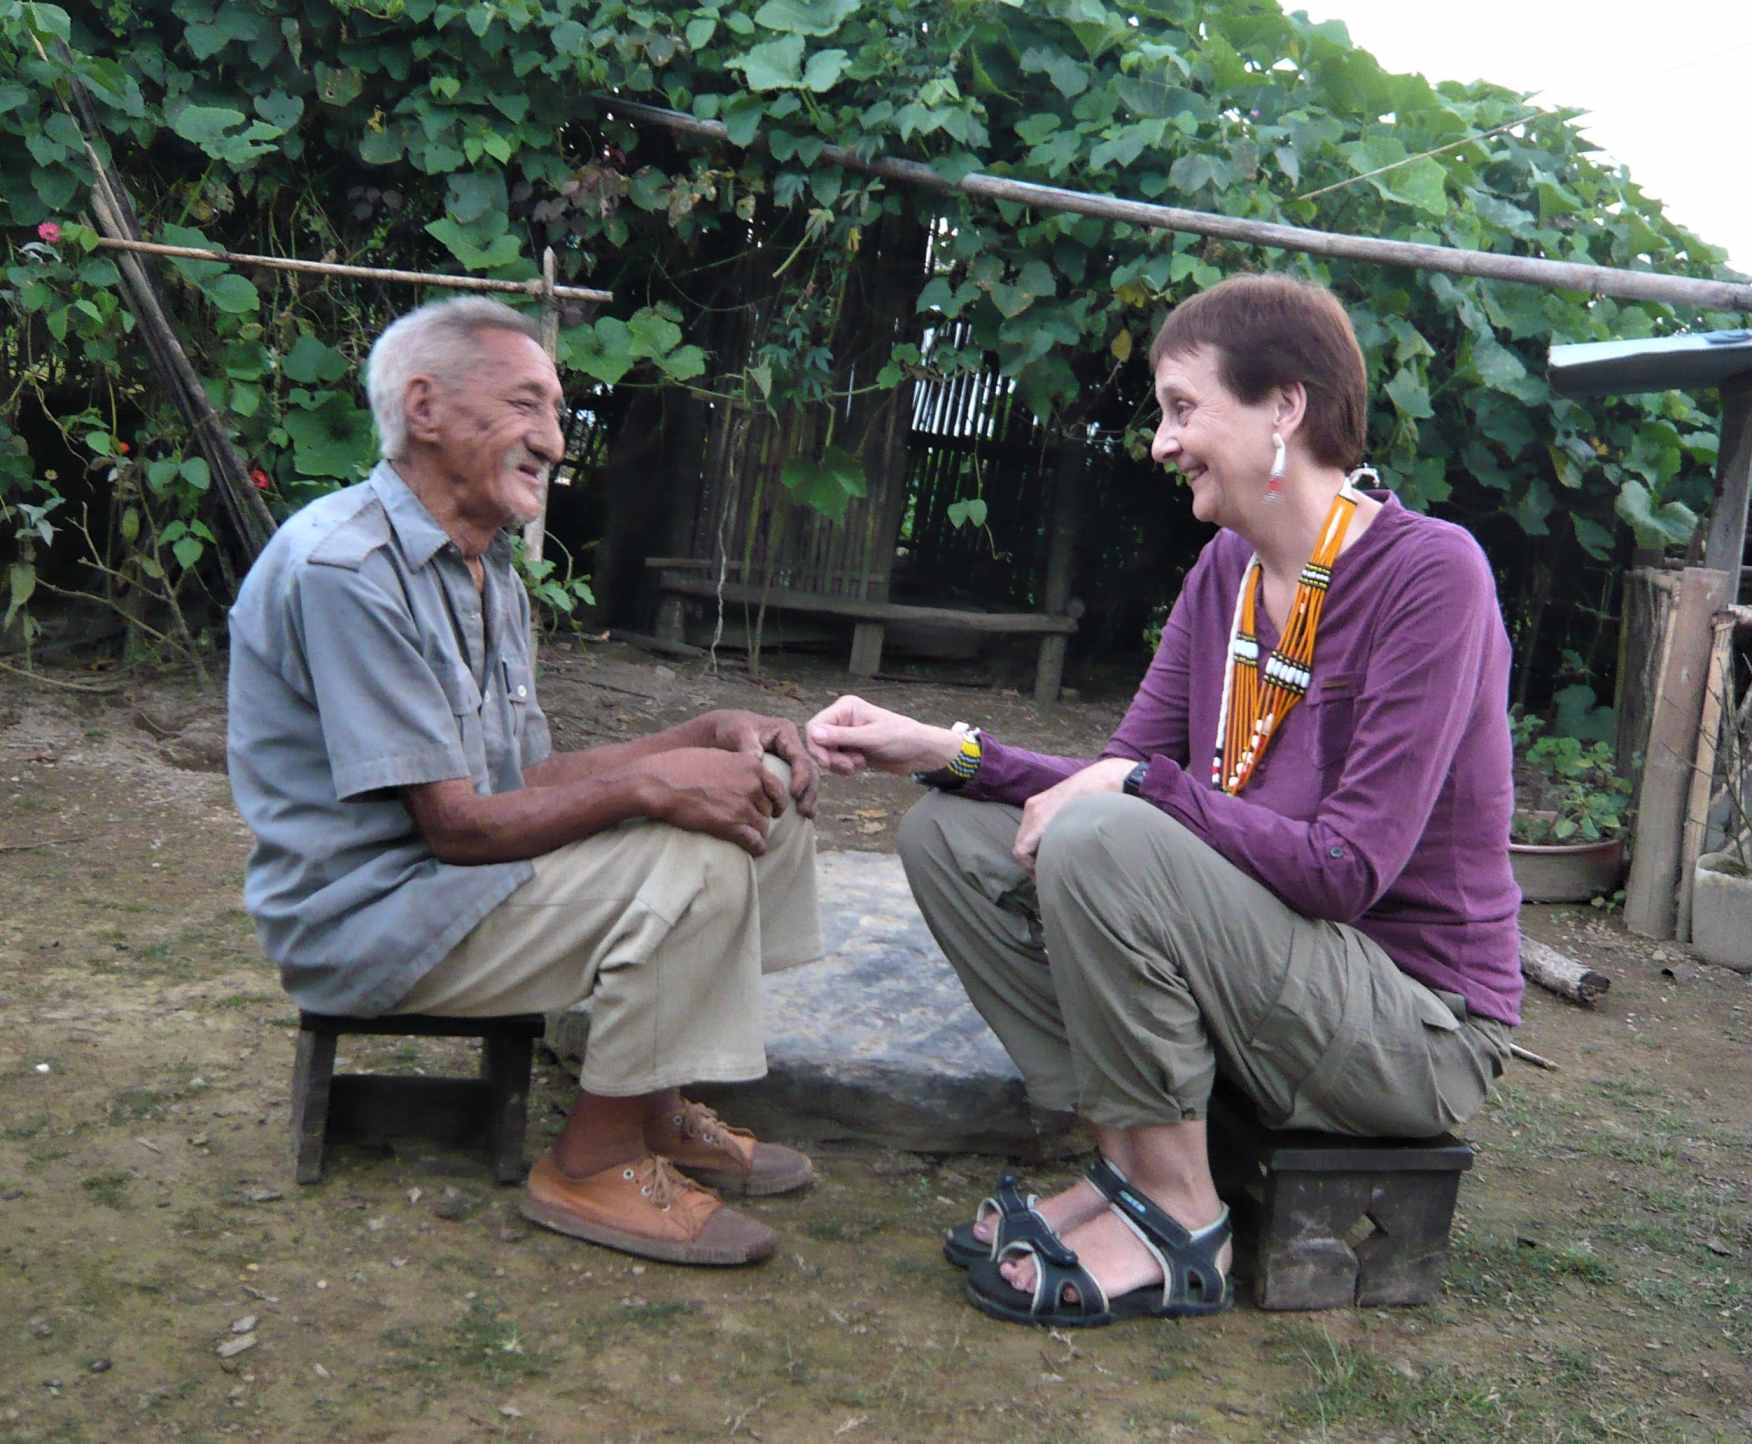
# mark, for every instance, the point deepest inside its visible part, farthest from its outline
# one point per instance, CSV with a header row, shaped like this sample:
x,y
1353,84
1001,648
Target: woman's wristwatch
x,y
1133,786
960,768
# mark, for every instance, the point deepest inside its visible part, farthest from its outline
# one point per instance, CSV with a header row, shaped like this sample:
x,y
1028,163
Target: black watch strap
x,y
1134,780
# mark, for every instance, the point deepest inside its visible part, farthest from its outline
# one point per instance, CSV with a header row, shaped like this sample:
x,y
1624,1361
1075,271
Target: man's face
x,y
499,428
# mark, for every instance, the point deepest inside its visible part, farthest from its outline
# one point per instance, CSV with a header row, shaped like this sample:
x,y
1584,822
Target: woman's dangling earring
x,y
1274,482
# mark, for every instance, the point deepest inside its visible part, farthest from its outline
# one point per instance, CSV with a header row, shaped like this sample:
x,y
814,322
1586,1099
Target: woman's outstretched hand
x,y
851,734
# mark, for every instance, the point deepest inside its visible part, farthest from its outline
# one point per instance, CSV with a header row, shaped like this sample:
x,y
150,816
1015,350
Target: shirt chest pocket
x,y
463,697
1329,718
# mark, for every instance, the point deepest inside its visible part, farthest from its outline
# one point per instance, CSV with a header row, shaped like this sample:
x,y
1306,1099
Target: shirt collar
x,y
419,536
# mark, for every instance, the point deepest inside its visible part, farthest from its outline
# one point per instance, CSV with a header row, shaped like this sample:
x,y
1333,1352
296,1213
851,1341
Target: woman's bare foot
x,y
1110,1251
1075,1205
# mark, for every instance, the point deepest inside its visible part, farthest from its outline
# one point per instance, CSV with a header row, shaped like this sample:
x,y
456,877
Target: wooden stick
x,y
1527,1055
1561,974
1717,683
1490,265
535,287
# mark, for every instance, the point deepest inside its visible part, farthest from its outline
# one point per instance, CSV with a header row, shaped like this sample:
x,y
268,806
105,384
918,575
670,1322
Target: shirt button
x,y
1335,852
523,691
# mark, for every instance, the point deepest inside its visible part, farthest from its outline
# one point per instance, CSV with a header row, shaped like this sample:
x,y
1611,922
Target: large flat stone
x,y
876,1042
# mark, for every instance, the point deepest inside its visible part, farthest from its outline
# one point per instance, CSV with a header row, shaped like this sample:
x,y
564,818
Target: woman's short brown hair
x,y
1268,331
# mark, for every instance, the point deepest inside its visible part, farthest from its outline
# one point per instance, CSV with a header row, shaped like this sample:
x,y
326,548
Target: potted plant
x,y
1566,842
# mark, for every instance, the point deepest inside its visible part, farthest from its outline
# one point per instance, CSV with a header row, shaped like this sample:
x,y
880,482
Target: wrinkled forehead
x,y
1189,372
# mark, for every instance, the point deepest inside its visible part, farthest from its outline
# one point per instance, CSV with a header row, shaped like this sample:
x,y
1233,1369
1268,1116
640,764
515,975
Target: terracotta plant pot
x,y
1567,871
1721,911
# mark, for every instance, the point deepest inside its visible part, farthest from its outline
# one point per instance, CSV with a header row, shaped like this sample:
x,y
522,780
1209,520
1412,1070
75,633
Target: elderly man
x,y
420,848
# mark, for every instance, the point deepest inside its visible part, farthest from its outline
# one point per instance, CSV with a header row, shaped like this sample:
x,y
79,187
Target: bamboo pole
x,y
537,286
1716,703
1488,265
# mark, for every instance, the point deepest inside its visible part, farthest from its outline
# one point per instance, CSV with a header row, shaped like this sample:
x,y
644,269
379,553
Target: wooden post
x,y
1651,898
1725,547
1061,548
866,649
1717,703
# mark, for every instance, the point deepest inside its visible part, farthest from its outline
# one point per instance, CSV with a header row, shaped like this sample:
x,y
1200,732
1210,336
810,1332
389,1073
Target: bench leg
x,y
670,621
313,1074
505,1066
866,649
1049,672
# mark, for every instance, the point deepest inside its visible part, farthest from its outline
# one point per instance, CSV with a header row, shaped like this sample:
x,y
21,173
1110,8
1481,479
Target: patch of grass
x,y
844,1230
1495,1271
23,1132
109,1188
133,1105
1353,1393
240,1001
487,1339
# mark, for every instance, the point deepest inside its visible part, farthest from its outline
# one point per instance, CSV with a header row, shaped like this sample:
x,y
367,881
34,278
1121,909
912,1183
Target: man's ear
x,y
420,408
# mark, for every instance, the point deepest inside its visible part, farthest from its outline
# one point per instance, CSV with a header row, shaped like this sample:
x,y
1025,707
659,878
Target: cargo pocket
x,y
1405,1077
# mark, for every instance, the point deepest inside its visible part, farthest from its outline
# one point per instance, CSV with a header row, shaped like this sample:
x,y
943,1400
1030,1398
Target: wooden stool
x,y
490,1111
1324,1221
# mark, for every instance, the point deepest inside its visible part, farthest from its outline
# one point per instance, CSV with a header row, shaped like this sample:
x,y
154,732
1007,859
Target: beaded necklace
x,y
1253,707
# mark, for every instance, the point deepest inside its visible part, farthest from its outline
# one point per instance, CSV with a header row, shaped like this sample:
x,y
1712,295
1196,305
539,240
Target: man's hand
x,y
725,793
754,735
851,734
1106,776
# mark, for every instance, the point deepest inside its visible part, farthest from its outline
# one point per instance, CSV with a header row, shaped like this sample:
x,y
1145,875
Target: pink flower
x,y
50,232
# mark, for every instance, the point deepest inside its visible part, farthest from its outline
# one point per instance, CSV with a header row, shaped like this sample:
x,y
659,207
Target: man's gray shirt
x,y
363,660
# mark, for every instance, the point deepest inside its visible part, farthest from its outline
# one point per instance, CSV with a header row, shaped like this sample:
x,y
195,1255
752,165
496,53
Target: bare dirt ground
x,y
1599,1286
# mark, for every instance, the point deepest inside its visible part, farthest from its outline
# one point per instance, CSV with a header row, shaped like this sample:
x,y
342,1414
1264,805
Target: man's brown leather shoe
x,y
728,1159
648,1209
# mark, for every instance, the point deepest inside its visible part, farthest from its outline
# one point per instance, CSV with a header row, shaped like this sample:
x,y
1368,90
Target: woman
x,y
1290,862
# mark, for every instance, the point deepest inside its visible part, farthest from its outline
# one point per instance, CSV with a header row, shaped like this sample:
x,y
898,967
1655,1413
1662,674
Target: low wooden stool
x,y
1325,1221
490,1111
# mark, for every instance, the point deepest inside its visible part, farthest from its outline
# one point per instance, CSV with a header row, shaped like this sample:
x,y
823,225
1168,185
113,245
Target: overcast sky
x,y
1663,83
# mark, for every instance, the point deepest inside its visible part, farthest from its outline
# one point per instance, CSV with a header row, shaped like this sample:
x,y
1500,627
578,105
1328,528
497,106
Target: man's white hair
x,y
439,341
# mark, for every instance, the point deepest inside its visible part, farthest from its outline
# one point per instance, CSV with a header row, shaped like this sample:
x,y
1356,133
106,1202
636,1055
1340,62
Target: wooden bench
x,y
680,577
489,1112
1324,1221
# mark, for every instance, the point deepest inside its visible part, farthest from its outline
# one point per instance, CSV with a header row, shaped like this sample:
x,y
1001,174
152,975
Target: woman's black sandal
x,y
1191,1281
1017,1222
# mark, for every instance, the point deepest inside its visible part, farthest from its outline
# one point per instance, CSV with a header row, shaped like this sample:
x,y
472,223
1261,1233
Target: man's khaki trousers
x,y
1141,962
666,932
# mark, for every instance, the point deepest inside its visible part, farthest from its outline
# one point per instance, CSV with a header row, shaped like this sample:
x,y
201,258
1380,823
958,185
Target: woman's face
x,y
1218,442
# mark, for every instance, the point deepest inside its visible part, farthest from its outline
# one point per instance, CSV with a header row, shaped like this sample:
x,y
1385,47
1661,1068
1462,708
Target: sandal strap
x,y
1055,1269
1188,1260
1018,1221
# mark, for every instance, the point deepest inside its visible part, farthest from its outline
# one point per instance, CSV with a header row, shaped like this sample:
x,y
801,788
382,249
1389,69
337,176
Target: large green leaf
x,y
1669,524
827,485
204,124
776,65
805,17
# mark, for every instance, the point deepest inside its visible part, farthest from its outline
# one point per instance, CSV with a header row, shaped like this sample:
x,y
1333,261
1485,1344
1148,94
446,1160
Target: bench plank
x,y
864,610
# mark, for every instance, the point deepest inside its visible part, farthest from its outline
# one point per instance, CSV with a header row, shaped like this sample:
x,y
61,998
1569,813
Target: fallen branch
x,y
1561,974
1527,1055
32,846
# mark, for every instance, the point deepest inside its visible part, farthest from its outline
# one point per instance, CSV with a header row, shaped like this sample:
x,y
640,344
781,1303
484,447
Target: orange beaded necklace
x,y
1254,706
